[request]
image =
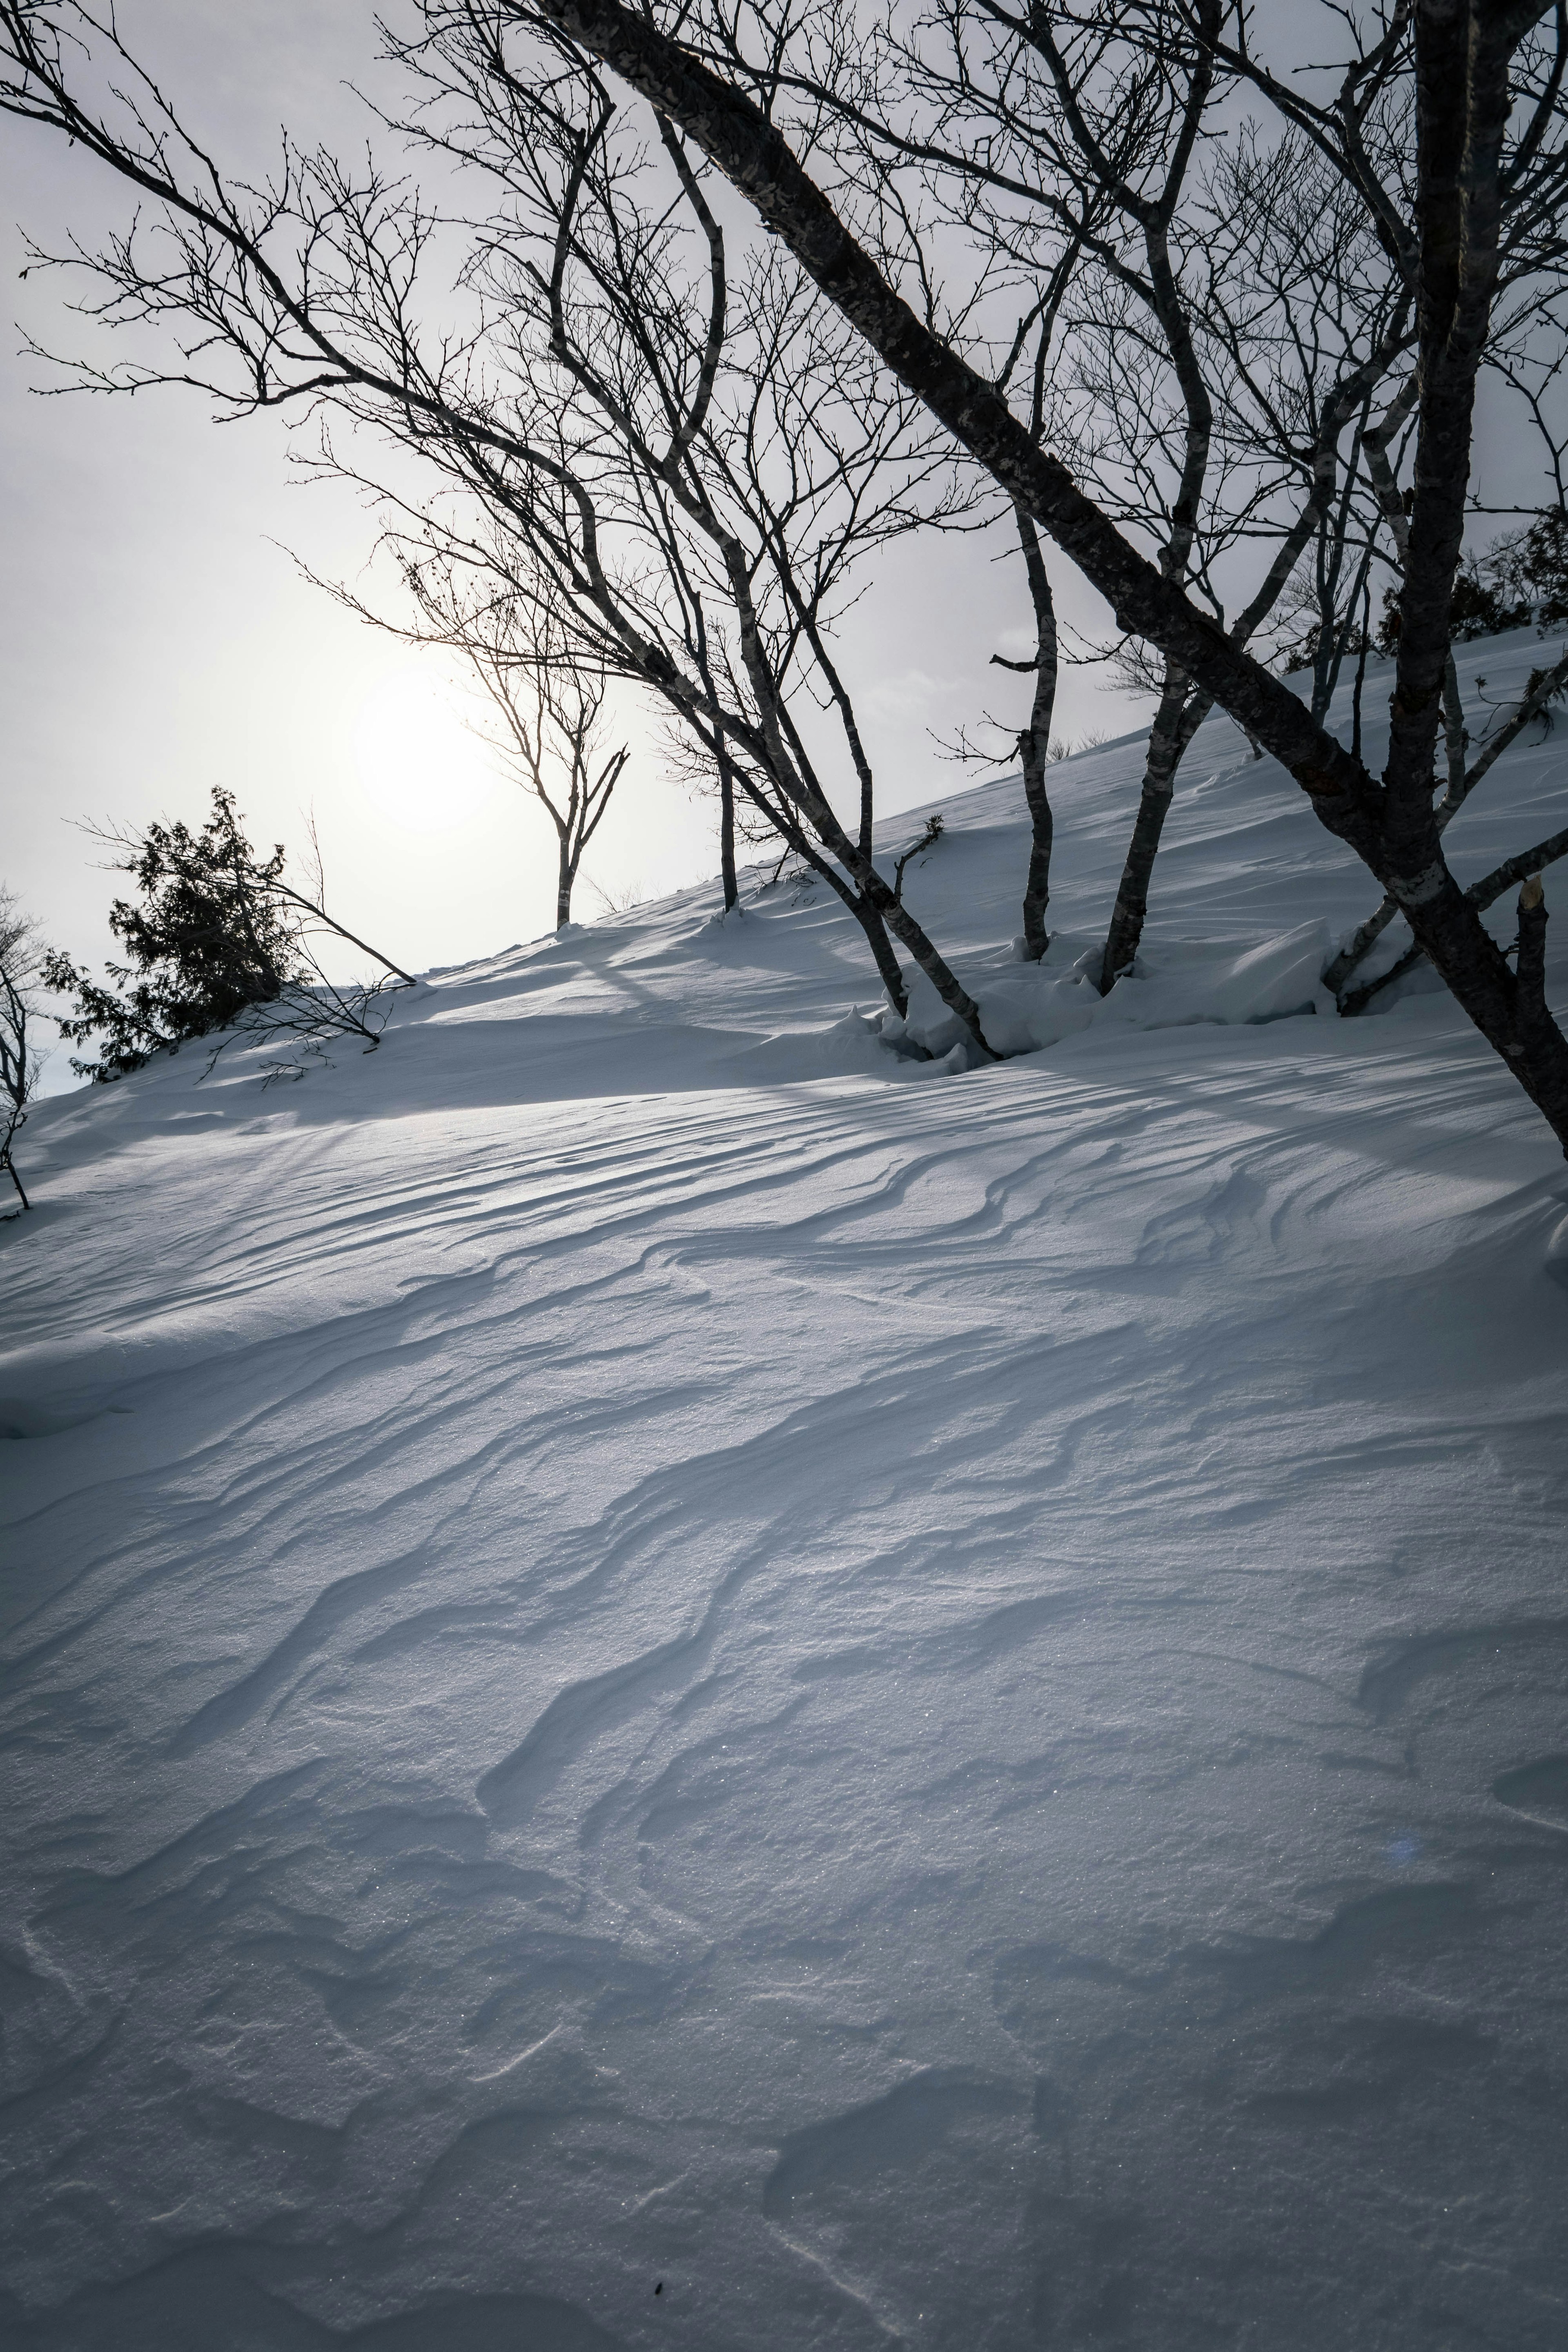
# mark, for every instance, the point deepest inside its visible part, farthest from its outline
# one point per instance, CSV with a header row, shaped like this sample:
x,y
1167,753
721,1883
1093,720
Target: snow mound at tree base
x,y
1027,1009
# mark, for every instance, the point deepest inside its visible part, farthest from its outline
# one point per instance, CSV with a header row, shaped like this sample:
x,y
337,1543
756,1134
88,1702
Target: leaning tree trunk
x,y
1456,79
881,946
857,904
867,915
1167,742
814,803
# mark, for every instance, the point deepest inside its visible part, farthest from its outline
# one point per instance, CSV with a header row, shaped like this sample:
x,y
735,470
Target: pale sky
x,y
158,638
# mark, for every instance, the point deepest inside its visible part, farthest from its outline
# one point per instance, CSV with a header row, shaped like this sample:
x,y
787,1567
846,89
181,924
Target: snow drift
x,y
672,1675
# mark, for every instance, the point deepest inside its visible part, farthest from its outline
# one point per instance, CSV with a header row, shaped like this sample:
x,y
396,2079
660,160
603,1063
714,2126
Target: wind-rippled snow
x,y
647,1649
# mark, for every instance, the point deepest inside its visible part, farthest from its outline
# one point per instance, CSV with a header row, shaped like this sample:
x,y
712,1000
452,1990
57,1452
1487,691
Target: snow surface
x,y
668,1679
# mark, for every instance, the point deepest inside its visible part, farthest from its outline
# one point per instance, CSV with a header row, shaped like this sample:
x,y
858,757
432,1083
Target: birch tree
x,y
1486,123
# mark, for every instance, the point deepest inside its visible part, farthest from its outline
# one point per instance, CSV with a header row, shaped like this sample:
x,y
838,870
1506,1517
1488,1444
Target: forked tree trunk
x,y
934,965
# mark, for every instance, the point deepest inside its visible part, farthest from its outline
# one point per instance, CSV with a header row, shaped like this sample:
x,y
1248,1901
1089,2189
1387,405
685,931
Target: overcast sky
x,y
158,638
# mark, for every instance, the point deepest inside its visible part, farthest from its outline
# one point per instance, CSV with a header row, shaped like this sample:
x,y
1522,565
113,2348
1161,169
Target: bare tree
x,y
550,711
726,773
691,460
1516,573
1477,71
1294,265
21,964
1064,155
727,456
723,421
1445,125
1034,740
1228,317
549,706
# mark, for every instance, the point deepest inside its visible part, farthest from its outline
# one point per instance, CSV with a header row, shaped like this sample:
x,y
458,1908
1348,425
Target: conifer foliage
x,y
217,940
206,937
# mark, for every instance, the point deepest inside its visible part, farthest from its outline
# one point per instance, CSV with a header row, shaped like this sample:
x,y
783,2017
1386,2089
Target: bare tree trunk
x,y
934,965
830,833
727,834
878,912
1482,895
1533,1017
1167,742
1453,800
1374,448
1463,84
1168,739
865,914
563,881
882,948
1034,745
1177,720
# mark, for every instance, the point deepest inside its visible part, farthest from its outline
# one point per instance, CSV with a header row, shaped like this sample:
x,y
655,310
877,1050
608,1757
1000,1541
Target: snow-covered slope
x,y
668,1680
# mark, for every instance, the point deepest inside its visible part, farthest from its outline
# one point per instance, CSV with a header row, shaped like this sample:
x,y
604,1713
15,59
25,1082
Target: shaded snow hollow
x,y
668,1680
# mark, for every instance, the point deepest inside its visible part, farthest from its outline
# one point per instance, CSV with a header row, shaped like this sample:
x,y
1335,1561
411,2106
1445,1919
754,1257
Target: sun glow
x,y
418,764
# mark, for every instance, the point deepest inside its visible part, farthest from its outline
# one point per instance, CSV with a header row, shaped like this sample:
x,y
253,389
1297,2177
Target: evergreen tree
x,y
208,936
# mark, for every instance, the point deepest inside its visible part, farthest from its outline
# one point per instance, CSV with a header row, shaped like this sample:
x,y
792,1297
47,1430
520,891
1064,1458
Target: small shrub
x,y
1537,680
218,941
1520,578
207,940
1478,609
1532,571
